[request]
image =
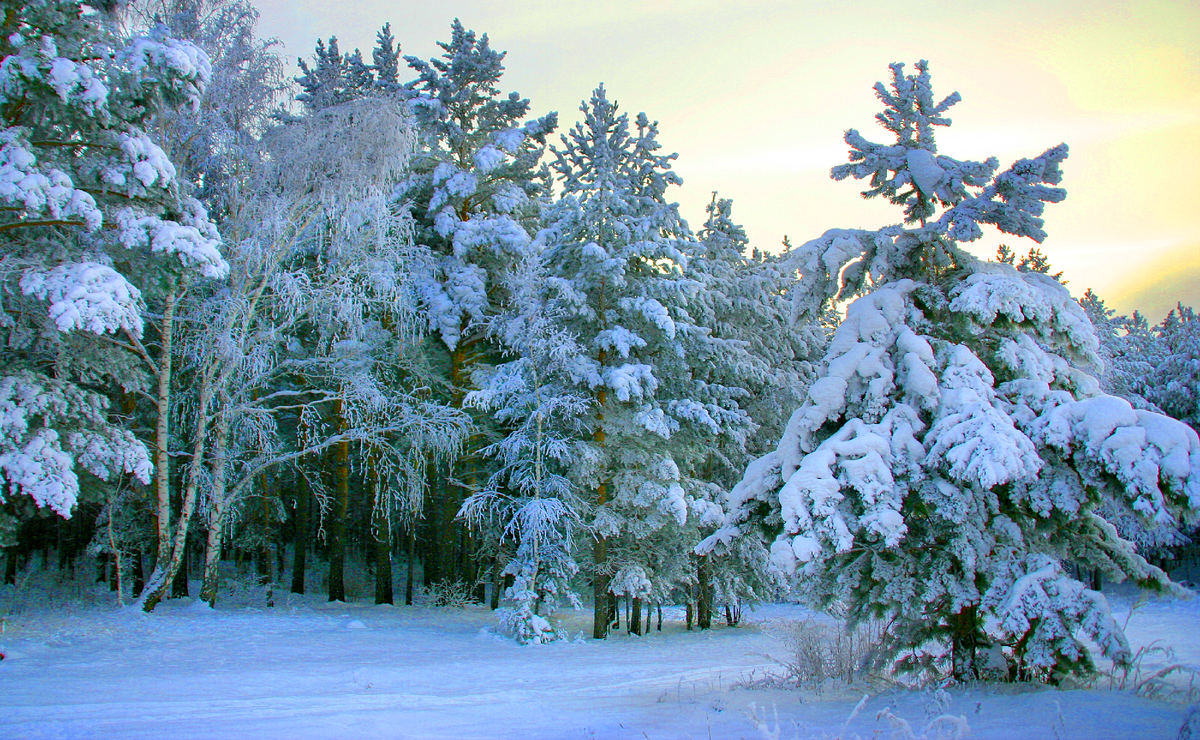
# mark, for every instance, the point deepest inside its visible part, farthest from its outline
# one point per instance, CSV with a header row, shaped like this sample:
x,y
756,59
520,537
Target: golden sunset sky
x,y
755,97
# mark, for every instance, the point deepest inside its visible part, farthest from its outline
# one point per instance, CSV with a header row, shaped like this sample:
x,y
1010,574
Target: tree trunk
x,y
411,565
264,565
381,536
602,613
691,614
300,554
165,569
635,619
704,595
215,537
162,432
10,565
733,615
139,573
264,562
602,607
964,640
341,507
179,582
497,582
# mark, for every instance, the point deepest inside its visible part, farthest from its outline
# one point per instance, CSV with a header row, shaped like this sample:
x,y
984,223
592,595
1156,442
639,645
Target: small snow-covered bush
x,y
1154,672
528,628
455,594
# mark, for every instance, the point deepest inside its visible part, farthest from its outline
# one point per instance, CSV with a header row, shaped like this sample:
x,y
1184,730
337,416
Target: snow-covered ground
x,y
308,669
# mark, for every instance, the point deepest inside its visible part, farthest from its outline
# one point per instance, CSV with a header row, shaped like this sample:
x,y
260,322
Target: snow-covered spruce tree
x,y
754,355
1129,352
477,186
530,499
615,250
93,220
1128,348
956,450
1174,384
477,182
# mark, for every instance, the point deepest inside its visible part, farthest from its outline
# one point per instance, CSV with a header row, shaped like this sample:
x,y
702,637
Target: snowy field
x,y
308,669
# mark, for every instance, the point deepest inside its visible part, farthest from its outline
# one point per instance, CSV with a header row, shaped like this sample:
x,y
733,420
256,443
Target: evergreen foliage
x,y
956,451
94,219
403,319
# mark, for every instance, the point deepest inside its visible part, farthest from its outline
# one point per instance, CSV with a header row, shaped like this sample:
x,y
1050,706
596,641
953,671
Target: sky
x,y
756,98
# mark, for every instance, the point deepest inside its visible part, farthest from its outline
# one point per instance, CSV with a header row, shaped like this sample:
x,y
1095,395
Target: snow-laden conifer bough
x,y
956,462
89,206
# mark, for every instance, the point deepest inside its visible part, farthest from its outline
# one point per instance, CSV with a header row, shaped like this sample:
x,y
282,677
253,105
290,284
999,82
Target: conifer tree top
x,y
911,173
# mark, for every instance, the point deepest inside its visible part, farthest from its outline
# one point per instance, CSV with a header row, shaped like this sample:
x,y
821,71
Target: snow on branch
x,y
160,60
37,192
76,84
193,238
1153,457
1013,202
87,295
36,413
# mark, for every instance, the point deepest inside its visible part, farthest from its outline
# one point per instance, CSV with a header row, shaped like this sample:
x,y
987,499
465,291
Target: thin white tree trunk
x,y
162,431
216,516
164,573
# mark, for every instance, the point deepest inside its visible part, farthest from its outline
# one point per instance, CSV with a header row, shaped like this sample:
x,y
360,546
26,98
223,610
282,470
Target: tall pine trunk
x,y
410,575
704,593
964,641
635,617
341,508
602,611
381,538
602,608
300,553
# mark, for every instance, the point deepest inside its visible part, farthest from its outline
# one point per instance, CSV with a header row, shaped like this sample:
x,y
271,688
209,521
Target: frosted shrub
x,y
527,627
888,725
820,652
455,594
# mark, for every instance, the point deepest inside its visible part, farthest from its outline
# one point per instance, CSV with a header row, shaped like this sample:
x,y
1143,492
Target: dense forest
x,y
367,324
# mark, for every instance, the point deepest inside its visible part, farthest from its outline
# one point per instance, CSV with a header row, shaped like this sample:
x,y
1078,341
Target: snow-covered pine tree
x,y
477,180
93,218
753,354
385,61
616,254
1128,350
530,499
477,185
1174,384
326,83
956,450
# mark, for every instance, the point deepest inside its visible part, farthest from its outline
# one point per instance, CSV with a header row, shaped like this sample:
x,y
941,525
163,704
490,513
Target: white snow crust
x,y
308,669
